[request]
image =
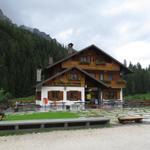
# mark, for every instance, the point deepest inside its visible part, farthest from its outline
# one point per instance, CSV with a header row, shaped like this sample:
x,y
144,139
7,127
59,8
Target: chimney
x,y
125,62
70,48
38,74
50,60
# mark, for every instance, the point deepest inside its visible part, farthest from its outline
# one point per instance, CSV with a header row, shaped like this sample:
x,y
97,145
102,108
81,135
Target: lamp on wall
x,y
85,86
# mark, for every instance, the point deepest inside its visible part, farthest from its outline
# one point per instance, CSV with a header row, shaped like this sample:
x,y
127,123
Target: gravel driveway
x,y
126,137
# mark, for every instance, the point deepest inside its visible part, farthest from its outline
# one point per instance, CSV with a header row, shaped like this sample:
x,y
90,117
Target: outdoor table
x,y
127,119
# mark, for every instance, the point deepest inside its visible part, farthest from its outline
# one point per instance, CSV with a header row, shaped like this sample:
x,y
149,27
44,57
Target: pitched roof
x,y
66,70
91,46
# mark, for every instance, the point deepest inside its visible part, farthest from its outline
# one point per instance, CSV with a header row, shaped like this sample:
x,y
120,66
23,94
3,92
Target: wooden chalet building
x,y
87,76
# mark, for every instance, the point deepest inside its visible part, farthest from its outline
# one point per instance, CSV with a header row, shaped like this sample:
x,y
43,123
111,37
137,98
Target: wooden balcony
x,y
92,66
69,82
115,84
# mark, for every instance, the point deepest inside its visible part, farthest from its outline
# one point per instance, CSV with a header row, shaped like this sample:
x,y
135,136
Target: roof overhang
x,y
123,67
100,83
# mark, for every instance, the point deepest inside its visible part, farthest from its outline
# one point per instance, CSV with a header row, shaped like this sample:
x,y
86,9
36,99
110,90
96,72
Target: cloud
x,y
127,6
134,52
111,25
65,35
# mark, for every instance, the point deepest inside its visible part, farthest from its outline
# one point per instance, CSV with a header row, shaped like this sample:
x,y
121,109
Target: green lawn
x,y
43,115
145,96
29,99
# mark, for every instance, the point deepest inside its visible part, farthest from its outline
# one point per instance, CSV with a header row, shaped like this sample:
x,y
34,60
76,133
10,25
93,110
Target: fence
x,y
109,104
136,103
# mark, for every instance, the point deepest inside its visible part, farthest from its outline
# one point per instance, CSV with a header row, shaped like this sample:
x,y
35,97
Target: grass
x,y
23,99
42,115
145,96
110,113
26,98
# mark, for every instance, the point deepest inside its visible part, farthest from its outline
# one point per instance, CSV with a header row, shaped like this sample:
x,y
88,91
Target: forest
x,y
138,81
21,53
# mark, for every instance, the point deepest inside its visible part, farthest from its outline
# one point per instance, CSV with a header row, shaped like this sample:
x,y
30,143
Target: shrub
x,y
4,96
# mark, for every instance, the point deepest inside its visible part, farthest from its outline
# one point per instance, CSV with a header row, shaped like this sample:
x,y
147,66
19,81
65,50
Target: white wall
x,y
45,89
121,94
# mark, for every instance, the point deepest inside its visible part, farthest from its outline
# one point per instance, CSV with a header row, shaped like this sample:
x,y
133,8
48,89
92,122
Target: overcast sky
x,y
119,27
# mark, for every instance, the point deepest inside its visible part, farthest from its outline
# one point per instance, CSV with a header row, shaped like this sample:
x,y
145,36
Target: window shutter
x,y
61,95
68,95
79,96
49,95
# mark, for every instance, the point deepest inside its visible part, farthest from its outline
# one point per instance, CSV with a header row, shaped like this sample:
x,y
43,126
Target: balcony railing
x,y
100,62
115,84
67,84
84,62
121,82
108,82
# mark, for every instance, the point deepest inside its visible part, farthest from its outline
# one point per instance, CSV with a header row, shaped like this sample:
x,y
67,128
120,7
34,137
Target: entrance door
x,y
91,96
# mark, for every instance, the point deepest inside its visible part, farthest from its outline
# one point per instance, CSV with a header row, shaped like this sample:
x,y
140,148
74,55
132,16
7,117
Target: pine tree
x,y
21,52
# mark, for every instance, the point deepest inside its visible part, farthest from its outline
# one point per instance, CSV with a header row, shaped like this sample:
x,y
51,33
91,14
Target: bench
x,y
54,123
127,119
2,115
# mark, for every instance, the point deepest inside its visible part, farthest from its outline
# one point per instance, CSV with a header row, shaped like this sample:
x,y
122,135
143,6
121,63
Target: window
x,y
73,95
81,59
55,95
74,76
88,59
110,95
110,77
101,77
85,59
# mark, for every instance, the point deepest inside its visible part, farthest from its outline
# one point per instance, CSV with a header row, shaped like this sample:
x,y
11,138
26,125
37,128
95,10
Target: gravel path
x,y
126,137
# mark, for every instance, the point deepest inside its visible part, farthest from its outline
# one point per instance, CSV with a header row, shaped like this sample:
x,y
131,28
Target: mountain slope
x,y
21,52
3,17
37,32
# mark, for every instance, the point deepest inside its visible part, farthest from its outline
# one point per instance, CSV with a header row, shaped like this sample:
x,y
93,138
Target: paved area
x,y
125,137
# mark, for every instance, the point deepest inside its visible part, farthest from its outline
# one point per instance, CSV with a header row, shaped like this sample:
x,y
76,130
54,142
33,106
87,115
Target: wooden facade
x,y
71,78
92,68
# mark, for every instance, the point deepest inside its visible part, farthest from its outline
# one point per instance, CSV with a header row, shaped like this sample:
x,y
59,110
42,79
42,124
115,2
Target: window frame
x,y
110,76
101,76
55,95
73,95
85,59
74,76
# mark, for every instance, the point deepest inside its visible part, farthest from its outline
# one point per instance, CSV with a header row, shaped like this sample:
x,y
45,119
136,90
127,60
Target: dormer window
x,y
101,76
110,77
85,59
74,76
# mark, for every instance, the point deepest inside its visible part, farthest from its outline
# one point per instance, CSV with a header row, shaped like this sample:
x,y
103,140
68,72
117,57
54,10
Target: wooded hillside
x,y
21,52
139,81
